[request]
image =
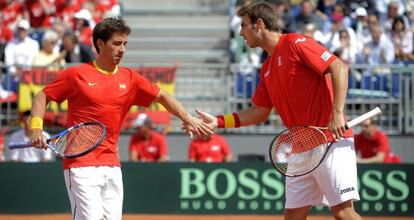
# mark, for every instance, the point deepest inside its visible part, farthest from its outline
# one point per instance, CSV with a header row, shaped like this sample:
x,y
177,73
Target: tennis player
x,y
103,91
307,85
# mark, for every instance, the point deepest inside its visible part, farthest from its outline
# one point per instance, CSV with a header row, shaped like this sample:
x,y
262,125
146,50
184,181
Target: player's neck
x,y
270,41
104,67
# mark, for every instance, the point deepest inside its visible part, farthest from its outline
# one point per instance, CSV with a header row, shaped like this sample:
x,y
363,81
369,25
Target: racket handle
x,y
376,111
18,145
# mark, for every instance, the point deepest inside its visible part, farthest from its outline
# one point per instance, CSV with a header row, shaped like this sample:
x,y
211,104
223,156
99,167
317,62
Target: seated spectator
x,y
209,149
30,154
76,52
348,52
147,145
361,25
47,57
372,145
379,50
83,27
306,15
402,38
19,53
40,12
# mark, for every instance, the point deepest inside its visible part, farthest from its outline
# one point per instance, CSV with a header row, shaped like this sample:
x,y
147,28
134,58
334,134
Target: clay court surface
x,y
184,217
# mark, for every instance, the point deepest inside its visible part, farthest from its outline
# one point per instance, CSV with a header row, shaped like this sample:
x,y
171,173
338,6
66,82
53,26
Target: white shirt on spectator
x,y
19,52
31,154
384,47
404,42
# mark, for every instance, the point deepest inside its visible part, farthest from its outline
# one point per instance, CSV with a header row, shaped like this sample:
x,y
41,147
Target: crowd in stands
x,y
369,32
358,31
46,33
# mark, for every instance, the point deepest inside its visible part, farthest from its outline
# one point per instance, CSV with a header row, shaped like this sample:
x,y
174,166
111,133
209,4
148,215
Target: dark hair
x,y
263,10
395,21
104,30
343,31
72,36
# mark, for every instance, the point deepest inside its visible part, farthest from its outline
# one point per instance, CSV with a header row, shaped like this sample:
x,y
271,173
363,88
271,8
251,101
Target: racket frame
x,y
319,129
55,138
376,111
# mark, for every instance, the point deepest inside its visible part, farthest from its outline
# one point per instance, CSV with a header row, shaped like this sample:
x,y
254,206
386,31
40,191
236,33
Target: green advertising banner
x,y
193,188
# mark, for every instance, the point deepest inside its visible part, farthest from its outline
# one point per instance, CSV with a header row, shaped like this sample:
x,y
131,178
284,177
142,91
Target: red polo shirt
x,y
213,150
149,150
370,147
293,80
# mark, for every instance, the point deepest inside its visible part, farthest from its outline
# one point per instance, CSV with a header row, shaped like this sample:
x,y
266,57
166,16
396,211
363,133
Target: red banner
x,y
32,81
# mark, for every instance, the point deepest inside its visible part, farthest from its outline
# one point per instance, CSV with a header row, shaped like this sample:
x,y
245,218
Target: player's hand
x,y
207,118
37,138
337,125
195,126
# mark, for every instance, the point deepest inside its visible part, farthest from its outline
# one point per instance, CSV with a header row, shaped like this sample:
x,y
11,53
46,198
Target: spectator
x,y
331,39
361,26
388,10
30,154
146,145
83,27
12,13
76,52
307,15
19,53
379,50
39,12
348,52
402,39
209,149
47,57
65,11
372,144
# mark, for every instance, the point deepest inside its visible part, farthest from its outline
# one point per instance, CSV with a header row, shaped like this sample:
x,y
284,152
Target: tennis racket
x,y
299,150
75,141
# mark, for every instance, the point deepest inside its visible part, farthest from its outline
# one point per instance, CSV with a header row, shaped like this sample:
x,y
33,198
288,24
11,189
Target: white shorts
x,y
95,192
333,182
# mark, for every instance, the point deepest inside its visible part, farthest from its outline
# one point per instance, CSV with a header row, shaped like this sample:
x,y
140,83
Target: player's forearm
x,y
173,106
339,74
253,115
228,158
39,105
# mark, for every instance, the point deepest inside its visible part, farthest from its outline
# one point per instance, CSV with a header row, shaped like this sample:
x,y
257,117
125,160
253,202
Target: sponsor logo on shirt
x,y
279,61
122,86
267,73
215,148
300,40
152,149
92,84
326,55
350,189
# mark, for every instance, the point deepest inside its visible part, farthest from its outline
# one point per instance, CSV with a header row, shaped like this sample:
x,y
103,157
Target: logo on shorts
x,y
92,84
350,189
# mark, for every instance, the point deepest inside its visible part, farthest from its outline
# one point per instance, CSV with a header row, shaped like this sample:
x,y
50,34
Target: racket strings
x,y
298,150
79,140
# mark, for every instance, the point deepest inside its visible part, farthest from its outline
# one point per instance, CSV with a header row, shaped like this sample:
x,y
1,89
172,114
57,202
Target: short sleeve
x,y
383,145
261,96
192,151
146,92
163,146
225,149
132,144
312,53
62,88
